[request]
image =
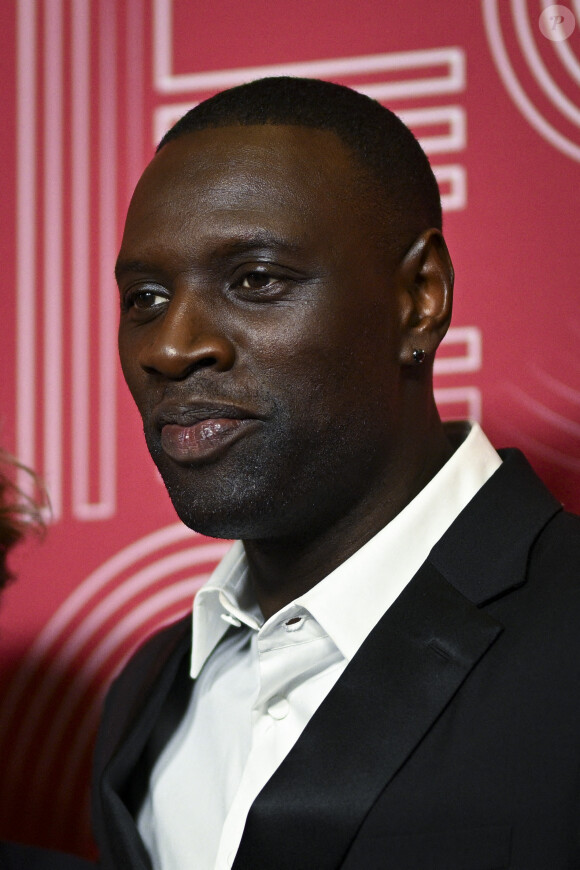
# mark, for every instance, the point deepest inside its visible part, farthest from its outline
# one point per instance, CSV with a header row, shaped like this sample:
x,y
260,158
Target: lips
x,y
193,434
203,440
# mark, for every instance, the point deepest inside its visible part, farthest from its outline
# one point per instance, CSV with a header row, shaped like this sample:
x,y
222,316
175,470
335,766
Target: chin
x,y
229,504
271,494
229,520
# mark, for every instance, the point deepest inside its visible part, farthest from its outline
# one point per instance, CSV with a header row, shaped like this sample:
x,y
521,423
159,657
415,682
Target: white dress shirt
x,y
256,692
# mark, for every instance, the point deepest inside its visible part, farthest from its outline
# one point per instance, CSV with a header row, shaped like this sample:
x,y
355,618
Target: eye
x,y
268,283
257,280
145,298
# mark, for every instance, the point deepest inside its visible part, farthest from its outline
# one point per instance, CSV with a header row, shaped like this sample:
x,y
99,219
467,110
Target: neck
x,y
283,569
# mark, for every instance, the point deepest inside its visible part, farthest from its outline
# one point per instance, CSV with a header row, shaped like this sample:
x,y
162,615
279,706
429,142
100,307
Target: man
x,y
385,668
18,515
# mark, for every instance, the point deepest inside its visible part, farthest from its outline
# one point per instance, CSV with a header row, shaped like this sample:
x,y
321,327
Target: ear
x,y
426,282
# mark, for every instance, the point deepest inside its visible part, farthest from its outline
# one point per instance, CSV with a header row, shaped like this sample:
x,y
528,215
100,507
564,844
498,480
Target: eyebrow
x,y
139,266
259,240
228,248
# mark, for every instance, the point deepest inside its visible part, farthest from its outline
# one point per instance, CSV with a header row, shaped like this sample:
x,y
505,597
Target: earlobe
x,y
426,281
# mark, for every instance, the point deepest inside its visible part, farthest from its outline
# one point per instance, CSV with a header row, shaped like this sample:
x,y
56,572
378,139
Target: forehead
x,y
264,173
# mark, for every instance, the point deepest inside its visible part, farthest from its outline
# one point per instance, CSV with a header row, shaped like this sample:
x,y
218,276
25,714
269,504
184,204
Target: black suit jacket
x,y
16,857
450,742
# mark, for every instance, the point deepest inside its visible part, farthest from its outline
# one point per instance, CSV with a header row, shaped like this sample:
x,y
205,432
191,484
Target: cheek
x,y
132,371
352,336
321,371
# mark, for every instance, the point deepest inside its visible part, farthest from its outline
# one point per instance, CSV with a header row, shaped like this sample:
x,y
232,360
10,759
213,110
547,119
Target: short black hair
x,y
398,168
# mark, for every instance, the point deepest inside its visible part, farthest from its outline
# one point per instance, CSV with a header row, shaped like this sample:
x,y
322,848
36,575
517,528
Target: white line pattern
x,y
81,648
26,193
52,377
537,66
40,377
470,336
107,294
453,116
80,245
453,80
468,399
514,88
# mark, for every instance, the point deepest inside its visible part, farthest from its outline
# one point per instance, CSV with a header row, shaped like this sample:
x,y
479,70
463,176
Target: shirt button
x,y
278,708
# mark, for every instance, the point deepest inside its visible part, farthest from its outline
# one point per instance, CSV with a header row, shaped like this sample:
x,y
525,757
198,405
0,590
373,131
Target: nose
x,y
185,339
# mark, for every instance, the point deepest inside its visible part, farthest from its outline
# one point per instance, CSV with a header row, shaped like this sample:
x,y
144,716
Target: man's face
x,y
259,331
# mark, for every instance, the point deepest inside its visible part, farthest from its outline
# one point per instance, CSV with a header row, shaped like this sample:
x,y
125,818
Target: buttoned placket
x,y
292,649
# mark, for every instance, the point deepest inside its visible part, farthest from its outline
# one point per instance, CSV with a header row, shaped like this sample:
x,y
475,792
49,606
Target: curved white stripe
x,y
103,653
537,66
133,586
515,90
79,598
565,391
83,594
567,56
120,596
544,451
558,421
80,751
40,707
102,575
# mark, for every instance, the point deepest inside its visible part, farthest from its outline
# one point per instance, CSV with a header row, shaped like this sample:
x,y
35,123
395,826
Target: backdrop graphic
x,y
89,87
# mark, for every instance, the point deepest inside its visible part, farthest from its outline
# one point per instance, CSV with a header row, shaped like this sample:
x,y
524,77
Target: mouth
x,y
196,433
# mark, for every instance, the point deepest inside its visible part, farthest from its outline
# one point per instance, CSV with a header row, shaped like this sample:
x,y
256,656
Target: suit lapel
x,y
367,727
400,681
485,553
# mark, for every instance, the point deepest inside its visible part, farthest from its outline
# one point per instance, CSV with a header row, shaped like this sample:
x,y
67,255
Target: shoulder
x,y
132,688
542,613
554,561
559,542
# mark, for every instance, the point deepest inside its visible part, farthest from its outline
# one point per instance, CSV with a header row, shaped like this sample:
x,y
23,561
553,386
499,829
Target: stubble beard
x,y
283,489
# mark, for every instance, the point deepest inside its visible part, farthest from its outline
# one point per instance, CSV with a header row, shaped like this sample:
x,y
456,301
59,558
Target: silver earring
x,y
418,355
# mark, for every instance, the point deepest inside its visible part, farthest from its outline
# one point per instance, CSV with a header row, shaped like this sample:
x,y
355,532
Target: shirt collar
x,y
226,599
350,600
375,575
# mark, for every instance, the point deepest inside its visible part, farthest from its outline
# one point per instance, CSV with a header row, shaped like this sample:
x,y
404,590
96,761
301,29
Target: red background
x,y
83,86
